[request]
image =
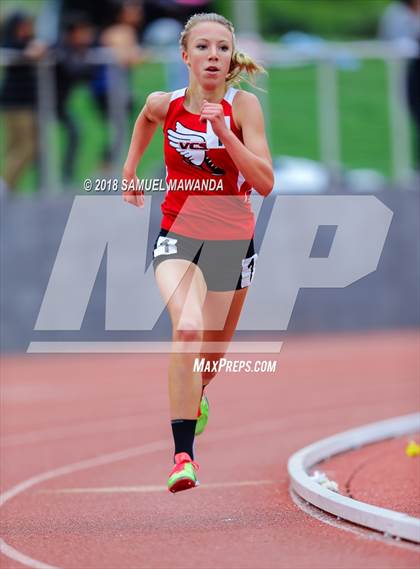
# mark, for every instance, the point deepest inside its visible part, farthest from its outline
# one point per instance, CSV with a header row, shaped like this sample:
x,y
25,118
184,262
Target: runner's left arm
x,y
252,157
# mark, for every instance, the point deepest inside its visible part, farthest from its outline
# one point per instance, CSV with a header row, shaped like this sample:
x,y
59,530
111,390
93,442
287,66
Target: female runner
x,y
215,152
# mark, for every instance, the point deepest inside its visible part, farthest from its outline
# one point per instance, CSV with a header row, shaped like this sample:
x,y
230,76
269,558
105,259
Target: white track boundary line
x,y
380,519
361,531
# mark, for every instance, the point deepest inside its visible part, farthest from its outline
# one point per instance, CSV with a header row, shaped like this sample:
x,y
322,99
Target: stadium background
x,y
80,491
337,121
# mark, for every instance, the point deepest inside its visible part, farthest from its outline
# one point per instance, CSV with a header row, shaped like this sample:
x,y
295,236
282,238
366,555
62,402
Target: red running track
x,y
381,474
90,436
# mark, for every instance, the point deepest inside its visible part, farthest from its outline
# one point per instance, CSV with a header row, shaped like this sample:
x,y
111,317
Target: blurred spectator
x,y
413,96
18,96
123,32
72,68
98,12
179,10
111,83
400,20
48,21
186,8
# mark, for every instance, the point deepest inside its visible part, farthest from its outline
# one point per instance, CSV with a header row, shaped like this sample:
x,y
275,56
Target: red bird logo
x,y
191,144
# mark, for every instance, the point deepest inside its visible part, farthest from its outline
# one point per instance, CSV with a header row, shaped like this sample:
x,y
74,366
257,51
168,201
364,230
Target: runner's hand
x,y
214,113
130,194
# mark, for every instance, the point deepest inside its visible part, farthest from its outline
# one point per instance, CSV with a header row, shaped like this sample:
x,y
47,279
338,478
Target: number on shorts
x,y
248,268
165,246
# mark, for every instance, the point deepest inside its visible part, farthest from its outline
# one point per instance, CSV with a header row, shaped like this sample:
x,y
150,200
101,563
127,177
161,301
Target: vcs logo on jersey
x,y
192,146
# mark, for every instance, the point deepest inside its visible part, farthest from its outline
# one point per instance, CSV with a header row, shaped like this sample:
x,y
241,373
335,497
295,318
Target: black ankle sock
x,y
183,431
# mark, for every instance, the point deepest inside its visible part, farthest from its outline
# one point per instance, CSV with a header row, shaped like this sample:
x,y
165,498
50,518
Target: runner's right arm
x,y
152,114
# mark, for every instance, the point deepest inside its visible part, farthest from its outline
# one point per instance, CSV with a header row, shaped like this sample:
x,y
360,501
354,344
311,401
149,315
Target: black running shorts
x,y
225,264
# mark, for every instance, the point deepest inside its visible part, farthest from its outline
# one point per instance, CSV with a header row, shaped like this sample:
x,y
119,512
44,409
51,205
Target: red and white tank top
x,y
207,197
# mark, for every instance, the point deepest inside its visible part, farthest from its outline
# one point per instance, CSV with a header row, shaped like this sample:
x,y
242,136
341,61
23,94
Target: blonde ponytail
x,y
243,62
240,61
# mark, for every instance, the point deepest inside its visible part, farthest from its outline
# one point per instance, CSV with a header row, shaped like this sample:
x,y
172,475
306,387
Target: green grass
x,y
363,115
366,135
293,108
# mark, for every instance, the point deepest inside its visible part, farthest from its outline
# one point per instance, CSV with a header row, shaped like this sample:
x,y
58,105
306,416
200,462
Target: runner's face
x,y
209,53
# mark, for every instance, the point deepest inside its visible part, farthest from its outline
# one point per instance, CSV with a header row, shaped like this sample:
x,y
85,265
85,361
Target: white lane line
x,y
60,432
151,347
156,446
151,488
82,465
12,553
223,434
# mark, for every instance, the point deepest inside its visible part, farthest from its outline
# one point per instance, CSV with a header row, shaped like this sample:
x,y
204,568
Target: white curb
x,y
381,519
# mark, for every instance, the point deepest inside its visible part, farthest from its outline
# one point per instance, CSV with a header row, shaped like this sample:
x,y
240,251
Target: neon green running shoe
x,y
183,475
203,415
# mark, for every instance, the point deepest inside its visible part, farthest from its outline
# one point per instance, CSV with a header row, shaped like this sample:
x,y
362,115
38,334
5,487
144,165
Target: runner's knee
x,y
189,331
